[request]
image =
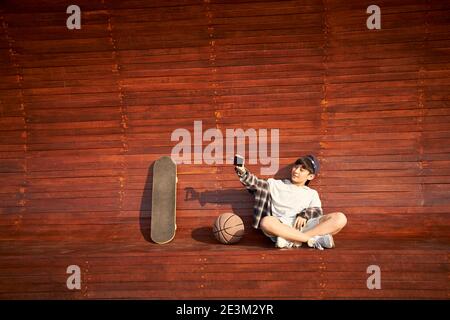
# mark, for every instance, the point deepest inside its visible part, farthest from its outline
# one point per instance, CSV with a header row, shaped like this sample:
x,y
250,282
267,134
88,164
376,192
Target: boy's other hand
x,y
240,170
299,223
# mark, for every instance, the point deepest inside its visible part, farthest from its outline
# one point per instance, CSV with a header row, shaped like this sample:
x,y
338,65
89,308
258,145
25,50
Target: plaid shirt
x,y
263,202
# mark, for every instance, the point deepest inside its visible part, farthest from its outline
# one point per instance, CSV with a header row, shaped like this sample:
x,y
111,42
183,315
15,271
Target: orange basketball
x,y
228,228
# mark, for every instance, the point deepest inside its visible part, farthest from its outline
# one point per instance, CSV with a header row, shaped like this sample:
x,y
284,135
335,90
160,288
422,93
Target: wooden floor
x,y
198,268
85,113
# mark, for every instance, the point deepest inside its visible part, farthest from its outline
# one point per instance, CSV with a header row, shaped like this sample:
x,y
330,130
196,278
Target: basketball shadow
x,y
204,234
251,238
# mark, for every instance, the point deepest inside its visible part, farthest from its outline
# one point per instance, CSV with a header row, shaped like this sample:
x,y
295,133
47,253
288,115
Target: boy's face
x,y
299,174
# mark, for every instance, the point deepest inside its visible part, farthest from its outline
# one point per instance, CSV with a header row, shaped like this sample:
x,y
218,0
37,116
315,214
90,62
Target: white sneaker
x,y
283,243
320,242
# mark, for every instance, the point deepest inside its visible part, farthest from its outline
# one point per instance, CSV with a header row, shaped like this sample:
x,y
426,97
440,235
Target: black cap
x,y
314,163
311,162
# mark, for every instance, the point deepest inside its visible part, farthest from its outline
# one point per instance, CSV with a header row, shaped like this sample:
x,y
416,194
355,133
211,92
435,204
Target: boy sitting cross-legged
x,y
288,211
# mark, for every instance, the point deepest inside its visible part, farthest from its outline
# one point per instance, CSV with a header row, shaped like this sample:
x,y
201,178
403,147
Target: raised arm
x,y
249,180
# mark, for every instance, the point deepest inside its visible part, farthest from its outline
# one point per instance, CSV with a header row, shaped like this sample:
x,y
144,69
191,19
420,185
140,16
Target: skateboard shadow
x,y
145,211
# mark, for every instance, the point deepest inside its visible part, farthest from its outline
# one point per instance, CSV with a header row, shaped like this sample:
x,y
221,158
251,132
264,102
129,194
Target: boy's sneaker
x,y
320,242
283,243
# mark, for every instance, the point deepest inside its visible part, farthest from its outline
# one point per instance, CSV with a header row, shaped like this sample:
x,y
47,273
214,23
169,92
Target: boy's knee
x,y
340,219
267,222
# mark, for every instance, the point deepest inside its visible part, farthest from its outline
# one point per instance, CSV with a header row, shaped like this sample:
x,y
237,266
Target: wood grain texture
x,y
85,113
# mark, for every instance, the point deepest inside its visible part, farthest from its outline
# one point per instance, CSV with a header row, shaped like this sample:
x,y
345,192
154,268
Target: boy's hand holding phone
x,y
239,164
240,170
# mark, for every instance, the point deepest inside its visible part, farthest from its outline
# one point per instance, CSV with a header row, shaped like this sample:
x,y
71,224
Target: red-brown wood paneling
x,y
84,114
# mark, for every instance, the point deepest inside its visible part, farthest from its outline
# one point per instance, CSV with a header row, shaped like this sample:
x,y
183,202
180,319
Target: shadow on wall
x,y
146,206
284,172
222,196
230,196
227,195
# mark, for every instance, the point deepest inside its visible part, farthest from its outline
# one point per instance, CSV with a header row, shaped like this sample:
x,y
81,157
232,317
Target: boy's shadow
x,y
239,207
220,196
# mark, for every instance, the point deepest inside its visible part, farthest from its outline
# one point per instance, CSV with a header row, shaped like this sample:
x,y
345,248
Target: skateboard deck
x,y
164,192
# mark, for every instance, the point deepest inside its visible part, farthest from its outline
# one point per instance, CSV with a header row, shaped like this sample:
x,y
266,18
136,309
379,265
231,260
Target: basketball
x,y
228,228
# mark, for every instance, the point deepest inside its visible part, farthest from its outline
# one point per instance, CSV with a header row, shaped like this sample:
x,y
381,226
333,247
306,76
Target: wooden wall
x,y
84,113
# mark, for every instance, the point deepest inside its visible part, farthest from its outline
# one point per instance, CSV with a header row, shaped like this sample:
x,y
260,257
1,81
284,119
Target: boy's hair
x,y
310,163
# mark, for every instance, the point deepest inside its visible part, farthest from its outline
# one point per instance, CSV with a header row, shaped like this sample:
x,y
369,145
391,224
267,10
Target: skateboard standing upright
x,y
164,192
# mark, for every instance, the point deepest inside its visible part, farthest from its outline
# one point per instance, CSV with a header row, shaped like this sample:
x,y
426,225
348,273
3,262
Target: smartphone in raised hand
x,y
238,160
